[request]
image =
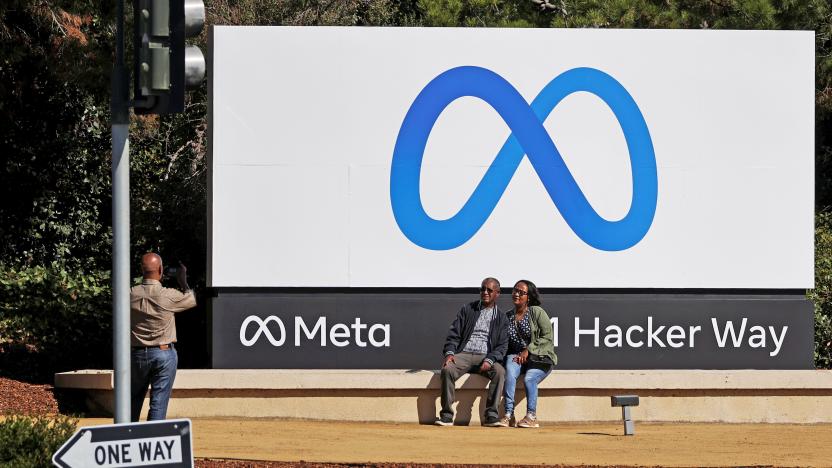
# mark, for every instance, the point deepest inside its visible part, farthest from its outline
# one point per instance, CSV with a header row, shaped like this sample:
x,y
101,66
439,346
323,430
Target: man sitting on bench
x,y
477,342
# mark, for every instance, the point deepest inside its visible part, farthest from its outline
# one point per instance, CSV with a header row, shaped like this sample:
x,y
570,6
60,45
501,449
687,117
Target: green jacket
x,y
542,334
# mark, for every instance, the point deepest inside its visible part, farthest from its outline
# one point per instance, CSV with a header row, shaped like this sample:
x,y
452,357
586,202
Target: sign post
x,y
120,123
164,68
155,443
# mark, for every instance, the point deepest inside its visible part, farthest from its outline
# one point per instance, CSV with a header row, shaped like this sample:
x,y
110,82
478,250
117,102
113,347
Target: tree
x,y
55,63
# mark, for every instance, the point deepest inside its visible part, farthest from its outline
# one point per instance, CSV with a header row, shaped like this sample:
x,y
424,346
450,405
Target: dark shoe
x,y
492,421
445,421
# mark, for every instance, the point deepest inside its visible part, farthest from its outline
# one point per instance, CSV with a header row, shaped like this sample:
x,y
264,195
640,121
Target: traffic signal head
x,y
164,65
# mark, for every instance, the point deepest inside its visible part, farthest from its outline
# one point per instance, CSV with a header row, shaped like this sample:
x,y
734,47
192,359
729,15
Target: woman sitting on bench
x,y
530,350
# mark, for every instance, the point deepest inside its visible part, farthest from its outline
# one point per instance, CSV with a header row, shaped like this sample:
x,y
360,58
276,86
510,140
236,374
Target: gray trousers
x,y
463,364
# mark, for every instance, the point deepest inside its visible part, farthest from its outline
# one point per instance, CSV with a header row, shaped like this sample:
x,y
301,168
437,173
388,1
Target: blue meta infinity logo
x,y
528,137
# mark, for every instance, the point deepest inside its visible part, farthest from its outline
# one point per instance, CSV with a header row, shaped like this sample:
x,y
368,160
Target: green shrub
x,y
822,294
53,318
30,441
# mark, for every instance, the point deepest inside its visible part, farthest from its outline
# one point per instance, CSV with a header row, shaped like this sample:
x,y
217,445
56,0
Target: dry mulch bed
x,y
224,463
216,463
24,398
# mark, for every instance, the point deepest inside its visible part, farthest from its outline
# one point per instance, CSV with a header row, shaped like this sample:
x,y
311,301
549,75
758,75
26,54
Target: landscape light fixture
x,y
625,402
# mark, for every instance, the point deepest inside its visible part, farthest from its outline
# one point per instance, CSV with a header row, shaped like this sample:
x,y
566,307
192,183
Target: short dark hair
x,y
489,279
534,295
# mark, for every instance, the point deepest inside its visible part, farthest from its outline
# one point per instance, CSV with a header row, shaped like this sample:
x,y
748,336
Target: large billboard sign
x,y
657,184
381,157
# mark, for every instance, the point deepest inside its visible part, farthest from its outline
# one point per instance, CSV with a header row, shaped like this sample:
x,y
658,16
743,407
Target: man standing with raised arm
x,y
477,342
153,357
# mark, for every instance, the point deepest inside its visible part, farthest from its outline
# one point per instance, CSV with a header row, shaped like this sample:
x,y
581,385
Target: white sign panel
x,y
380,157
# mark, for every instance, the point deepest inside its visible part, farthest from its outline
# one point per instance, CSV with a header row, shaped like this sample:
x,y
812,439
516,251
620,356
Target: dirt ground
x,y
555,444
237,443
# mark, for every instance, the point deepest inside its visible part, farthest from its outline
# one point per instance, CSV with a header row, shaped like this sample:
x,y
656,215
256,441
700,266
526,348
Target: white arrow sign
x,y
121,445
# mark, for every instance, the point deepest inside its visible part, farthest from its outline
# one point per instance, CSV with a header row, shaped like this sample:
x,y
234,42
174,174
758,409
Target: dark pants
x,y
157,368
463,364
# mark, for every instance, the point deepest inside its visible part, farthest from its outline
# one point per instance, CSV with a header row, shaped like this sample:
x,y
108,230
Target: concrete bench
x,y
803,396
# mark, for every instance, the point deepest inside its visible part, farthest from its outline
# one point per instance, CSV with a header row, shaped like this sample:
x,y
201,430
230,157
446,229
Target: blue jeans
x,y
531,381
157,368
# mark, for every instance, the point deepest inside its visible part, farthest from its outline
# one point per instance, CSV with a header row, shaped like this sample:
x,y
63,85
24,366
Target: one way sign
x,y
155,443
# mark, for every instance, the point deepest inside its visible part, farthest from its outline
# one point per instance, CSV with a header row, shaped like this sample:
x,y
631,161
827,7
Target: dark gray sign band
x,y
365,330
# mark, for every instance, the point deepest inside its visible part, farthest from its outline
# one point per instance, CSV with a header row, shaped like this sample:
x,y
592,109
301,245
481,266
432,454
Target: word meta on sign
x,y
152,443
528,138
339,334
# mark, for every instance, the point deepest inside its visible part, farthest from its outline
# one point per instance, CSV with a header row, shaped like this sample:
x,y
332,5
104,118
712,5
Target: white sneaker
x,y
529,421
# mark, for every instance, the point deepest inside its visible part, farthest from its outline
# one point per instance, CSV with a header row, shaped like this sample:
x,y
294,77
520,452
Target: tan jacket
x,y
151,313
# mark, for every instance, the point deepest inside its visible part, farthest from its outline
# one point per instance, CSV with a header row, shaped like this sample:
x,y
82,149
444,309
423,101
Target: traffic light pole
x,y
165,66
120,124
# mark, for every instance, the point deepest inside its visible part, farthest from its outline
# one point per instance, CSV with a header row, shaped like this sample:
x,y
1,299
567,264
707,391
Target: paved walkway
x,y
568,444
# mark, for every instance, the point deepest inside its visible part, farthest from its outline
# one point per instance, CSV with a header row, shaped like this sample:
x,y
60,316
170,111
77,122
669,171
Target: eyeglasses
x,y
519,292
487,290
